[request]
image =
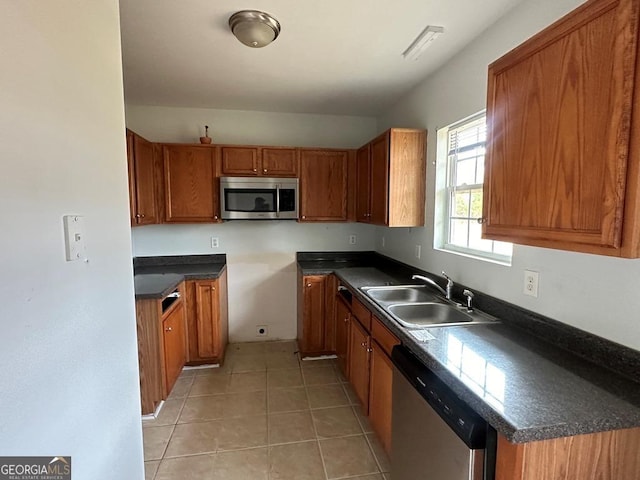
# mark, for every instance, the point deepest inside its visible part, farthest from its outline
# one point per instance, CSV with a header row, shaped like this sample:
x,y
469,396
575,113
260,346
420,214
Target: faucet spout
x,y
430,282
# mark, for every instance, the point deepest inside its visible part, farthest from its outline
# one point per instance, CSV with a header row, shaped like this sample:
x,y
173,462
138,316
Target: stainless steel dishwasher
x,y
435,435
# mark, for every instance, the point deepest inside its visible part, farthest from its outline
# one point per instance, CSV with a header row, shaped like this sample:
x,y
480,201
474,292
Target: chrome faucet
x,y
469,295
432,283
449,285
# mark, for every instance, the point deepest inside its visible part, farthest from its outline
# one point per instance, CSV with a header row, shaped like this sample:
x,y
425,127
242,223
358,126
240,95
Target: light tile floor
x,y
265,415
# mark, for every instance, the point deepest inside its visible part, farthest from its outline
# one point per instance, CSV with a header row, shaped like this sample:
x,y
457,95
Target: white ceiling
x,y
333,56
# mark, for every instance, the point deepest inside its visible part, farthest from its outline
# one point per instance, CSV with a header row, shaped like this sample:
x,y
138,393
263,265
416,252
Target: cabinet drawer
x,y
383,336
362,313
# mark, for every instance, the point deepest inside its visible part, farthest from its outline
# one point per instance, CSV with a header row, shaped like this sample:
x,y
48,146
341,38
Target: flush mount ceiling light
x,y
422,42
253,28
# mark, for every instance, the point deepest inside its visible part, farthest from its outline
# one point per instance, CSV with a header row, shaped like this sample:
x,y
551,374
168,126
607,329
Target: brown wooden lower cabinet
x,y
161,348
381,382
175,355
359,353
316,320
597,456
207,320
343,321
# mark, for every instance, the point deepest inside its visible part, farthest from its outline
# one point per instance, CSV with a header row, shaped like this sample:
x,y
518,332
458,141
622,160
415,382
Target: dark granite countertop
x,y
156,277
525,386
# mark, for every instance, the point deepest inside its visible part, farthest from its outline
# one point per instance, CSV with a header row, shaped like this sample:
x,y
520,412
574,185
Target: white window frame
x,y
445,187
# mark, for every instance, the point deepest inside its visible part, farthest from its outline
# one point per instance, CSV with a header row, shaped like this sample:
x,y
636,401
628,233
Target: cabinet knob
x,y
346,319
142,216
308,284
138,216
168,329
369,350
304,216
255,169
481,220
265,170
215,217
363,344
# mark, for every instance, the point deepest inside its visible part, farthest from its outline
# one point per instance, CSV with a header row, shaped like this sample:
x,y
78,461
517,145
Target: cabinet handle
x,y
168,329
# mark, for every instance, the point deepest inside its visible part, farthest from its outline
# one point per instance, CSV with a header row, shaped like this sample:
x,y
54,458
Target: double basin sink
x,y
414,306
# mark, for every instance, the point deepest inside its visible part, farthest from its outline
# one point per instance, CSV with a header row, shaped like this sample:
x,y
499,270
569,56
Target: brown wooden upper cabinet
x,y
253,161
324,177
191,186
391,179
563,158
142,186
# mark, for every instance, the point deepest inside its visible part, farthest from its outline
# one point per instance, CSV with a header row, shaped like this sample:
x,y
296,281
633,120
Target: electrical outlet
x,y
215,242
262,331
352,239
531,279
418,250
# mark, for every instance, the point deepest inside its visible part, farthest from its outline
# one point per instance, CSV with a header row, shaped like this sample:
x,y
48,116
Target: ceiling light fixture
x,y
422,42
253,28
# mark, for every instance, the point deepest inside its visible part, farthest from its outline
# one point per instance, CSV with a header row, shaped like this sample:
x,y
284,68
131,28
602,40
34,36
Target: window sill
x,y
476,256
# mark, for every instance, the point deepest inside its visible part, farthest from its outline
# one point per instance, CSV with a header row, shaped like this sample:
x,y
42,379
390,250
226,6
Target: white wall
x,y
186,125
594,293
69,379
260,255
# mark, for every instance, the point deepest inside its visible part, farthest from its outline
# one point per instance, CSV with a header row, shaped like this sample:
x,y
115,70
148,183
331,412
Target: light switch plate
x,y
74,240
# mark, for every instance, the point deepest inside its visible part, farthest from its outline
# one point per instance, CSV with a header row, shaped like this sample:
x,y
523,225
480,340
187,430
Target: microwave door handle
x,y
277,200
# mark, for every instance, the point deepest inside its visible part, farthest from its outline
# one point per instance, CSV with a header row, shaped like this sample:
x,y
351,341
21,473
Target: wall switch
x,y
352,239
531,283
215,242
418,250
262,331
74,244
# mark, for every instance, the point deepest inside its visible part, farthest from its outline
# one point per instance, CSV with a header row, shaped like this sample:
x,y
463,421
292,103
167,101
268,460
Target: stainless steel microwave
x,y
259,198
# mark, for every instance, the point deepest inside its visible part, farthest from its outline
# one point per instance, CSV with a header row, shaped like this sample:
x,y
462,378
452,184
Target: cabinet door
x,y
323,185
380,180
191,190
143,205
343,319
239,161
279,162
174,345
314,288
359,346
207,312
363,184
380,395
407,177
558,116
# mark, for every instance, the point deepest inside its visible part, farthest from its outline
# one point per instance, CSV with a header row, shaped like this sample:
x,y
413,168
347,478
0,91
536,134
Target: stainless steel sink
x,y
428,314
399,294
432,314
414,306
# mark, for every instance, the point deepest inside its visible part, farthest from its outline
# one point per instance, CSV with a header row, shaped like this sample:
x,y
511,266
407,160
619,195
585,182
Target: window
x,y
461,150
